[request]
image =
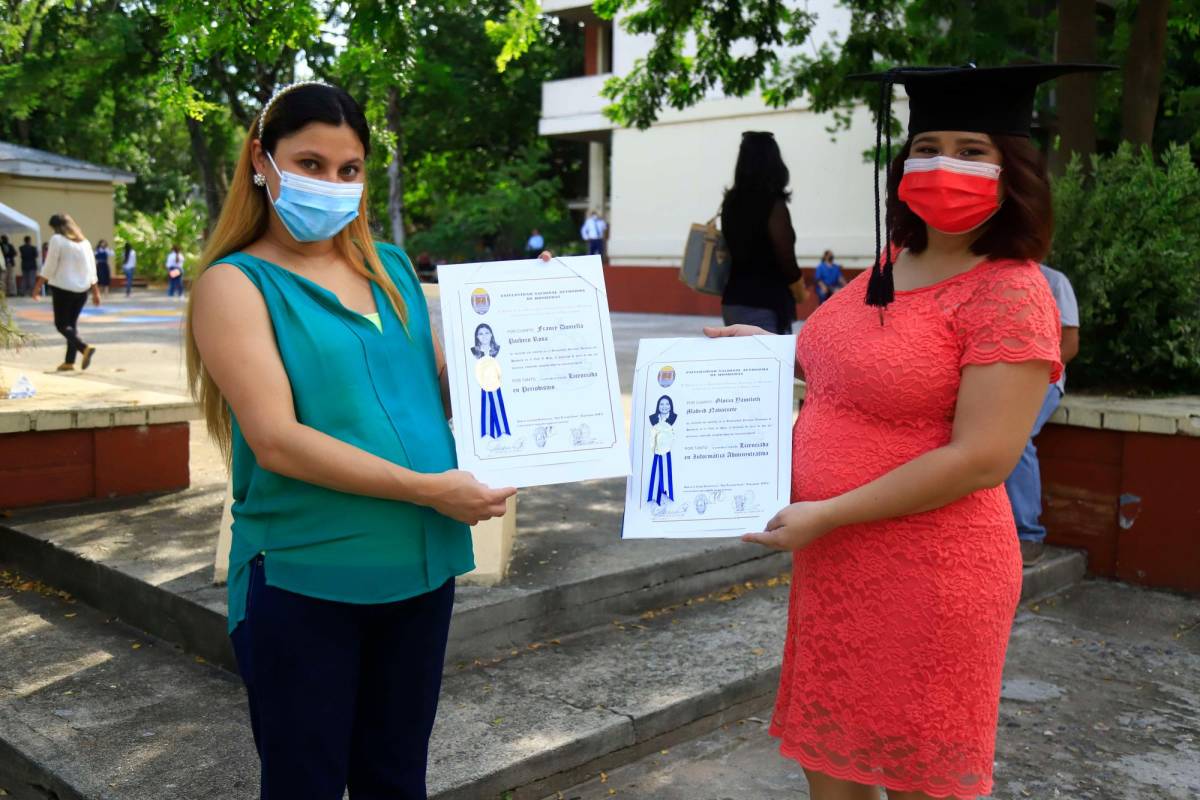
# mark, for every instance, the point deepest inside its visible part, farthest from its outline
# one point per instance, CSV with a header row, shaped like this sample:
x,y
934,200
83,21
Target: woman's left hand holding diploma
x,y
795,527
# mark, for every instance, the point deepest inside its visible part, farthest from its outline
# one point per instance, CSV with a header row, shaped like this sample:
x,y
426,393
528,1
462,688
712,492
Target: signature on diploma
x,y
507,445
668,510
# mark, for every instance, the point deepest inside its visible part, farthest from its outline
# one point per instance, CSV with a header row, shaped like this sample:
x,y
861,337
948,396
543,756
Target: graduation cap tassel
x,y
880,287
889,286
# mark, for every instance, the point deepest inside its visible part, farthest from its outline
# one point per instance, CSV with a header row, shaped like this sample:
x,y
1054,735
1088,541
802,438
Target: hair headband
x,y
262,118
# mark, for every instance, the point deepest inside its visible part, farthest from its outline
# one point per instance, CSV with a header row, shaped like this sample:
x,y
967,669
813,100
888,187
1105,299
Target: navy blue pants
x,y
342,695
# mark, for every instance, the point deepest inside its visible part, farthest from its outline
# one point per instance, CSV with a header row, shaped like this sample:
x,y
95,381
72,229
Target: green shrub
x,y
493,217
1128,237
152,236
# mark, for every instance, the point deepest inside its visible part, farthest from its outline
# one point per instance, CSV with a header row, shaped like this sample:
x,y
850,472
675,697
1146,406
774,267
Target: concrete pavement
x,y
140,346
1101,701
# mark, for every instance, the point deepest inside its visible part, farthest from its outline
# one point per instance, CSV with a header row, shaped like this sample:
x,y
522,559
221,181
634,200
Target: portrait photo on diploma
x,y
710,436
533,379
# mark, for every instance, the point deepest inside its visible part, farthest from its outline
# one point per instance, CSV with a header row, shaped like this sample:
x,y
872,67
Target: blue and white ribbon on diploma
x,y
665,477
493,418
494,415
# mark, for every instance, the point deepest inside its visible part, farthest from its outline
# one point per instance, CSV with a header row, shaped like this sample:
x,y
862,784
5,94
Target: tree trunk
x,y
222,175
396,169
1143,71
208,174
1076,94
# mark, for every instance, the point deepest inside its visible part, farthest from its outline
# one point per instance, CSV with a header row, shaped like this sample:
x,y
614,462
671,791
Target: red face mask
x,y
952,196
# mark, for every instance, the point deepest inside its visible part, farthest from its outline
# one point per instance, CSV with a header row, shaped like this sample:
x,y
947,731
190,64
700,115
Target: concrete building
x,y
654,184
37,184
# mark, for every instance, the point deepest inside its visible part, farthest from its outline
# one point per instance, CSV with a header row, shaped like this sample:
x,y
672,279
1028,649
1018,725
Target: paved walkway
x,y
1101,701
140,345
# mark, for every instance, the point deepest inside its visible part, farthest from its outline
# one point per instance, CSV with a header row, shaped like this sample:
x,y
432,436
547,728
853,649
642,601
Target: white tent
x,y
15,223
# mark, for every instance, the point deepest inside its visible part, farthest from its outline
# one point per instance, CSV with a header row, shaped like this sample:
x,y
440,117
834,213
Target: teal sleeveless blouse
x,y
377,389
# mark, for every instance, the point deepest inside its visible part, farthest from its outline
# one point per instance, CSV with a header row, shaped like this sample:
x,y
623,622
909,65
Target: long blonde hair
x,y
67,226
243,221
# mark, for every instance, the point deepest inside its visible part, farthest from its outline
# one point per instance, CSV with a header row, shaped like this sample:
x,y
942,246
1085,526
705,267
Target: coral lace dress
x,y
897,629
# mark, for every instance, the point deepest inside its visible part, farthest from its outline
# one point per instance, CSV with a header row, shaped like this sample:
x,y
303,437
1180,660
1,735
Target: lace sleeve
x,y
1011,317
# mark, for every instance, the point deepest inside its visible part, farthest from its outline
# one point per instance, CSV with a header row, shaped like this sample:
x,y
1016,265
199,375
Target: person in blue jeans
x,y
128,265
1024,485
594,231
829,277
175,272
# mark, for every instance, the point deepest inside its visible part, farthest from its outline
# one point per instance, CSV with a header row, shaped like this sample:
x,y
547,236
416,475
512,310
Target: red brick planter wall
x,y
1132,500
659,290
61,466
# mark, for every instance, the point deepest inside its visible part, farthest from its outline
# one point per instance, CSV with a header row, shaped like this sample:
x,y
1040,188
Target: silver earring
x,y
260,179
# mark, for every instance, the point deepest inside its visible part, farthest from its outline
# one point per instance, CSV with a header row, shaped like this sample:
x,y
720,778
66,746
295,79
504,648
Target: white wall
x,y
672,175
833,19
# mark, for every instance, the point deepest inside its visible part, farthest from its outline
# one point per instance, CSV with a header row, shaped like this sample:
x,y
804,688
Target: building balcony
x,y
572,10
573,108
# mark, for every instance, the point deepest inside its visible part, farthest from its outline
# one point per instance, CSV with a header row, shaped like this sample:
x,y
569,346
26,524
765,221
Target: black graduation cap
x,y
979,99
994,100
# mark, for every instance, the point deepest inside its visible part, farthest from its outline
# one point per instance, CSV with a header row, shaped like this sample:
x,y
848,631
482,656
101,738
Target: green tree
x,y
229,58
381,56
80,80
456,124
491,219
1129,239
166,89
737,48
153,235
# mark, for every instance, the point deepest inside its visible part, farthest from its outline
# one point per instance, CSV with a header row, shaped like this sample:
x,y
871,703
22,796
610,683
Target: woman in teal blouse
x,y
311,351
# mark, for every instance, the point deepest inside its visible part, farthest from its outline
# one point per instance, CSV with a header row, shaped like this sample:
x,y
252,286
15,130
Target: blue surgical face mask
x,y
314,210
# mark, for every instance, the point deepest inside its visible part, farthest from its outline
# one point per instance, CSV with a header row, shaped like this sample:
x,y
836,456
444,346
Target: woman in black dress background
x,y
764,281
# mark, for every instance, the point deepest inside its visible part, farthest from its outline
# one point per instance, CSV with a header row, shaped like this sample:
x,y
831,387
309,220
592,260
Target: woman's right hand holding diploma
x,y
457,495
716,332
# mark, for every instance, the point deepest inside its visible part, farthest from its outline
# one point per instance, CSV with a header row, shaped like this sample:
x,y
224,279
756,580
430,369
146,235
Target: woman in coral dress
x,y
923,381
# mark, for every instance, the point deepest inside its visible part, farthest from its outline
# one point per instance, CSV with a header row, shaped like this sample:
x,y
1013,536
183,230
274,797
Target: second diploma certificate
x,y
711,442
533,377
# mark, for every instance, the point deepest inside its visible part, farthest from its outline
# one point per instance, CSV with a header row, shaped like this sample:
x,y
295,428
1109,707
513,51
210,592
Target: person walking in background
x,y
829,277
45,251
104,257
535,245
128,265
174,272
593,232
1024,485
765,282
29,266
70,270
8,280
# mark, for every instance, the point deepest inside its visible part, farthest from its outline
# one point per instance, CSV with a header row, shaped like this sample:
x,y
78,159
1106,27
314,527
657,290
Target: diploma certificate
x,y
711,445
533,376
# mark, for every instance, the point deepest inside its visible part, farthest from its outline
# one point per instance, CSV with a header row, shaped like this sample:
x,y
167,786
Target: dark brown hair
x,y
1023,226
